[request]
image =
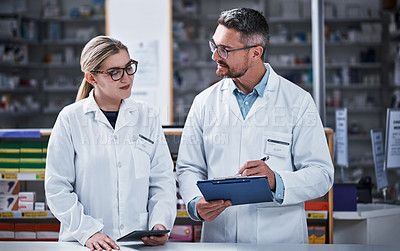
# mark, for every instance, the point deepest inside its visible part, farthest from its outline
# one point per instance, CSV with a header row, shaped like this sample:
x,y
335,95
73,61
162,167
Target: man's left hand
x,y
258,168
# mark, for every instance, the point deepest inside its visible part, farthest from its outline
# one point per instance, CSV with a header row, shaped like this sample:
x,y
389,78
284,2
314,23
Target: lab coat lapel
x,y
261,102
230,100
126,114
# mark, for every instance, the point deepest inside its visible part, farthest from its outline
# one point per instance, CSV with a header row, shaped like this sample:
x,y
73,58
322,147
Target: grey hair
x,y
250,23
93,55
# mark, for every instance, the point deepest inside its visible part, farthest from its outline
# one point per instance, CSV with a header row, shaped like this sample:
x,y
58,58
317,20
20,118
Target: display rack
x,y
39,60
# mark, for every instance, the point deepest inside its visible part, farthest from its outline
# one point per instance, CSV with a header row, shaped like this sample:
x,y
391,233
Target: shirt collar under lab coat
x,y
272,80
258,89
126,113
229,98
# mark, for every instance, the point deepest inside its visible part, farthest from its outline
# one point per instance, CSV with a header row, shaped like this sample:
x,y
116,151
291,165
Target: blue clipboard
x,y
239,190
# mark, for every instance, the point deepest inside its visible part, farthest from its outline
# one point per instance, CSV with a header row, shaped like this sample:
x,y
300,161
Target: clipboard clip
x,y
230,177
230,180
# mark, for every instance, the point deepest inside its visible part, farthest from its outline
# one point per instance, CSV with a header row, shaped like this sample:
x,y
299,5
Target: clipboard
x,y
240,190
137,235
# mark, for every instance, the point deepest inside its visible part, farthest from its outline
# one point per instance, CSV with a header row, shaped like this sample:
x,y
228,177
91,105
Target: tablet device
x,y
138,234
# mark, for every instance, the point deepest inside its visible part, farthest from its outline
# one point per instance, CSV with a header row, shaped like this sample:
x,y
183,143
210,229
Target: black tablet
x,y
138,234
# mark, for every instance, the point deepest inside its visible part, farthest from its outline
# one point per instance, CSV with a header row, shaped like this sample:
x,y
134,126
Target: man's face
x,y
237,63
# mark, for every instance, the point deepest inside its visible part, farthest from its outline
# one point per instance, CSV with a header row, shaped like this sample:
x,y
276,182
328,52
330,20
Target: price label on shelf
x,y
39,214
40,176
9,176
6,214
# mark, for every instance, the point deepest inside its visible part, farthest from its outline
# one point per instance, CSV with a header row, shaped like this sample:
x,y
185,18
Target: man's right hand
x,y
209,210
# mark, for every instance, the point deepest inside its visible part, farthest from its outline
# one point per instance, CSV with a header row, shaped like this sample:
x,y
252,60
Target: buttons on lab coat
x,y
119,164
121,226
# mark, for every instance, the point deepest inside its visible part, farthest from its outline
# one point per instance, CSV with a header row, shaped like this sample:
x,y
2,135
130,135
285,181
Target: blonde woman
x,y
109,170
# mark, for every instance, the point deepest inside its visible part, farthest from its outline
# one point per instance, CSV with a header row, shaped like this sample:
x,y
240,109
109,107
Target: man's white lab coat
x,y
283,124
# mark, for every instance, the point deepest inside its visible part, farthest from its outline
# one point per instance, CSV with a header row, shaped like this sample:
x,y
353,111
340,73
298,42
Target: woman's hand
x,y
156,240
100,241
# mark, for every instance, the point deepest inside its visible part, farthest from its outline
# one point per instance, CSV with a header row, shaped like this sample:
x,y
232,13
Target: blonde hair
x,y
93,55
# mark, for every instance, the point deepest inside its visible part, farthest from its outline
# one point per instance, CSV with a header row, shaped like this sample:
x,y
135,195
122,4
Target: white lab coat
x,y
112,181
216,142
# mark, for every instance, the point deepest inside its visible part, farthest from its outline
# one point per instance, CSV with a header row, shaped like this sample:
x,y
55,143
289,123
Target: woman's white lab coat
x,y
282,124
112,181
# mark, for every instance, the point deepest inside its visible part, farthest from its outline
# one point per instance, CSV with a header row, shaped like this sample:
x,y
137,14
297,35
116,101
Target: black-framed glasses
x,y
222,52
118,73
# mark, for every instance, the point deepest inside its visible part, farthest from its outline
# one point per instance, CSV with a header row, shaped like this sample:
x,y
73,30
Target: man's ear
x,y
90,78
257,52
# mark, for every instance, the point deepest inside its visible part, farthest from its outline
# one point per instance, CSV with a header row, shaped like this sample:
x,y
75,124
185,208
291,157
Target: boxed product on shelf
x,y
25,232
31,157
9,186
47,232
9,202
316,205
197,233
316,234
25,205
26,201
181,233
320,235
9,157
40,206
27,196
7,231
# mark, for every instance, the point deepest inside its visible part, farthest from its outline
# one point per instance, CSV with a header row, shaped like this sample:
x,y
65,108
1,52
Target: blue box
x,y
345,197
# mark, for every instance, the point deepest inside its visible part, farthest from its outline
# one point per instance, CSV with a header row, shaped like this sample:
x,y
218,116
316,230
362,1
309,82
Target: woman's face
x,y
108,90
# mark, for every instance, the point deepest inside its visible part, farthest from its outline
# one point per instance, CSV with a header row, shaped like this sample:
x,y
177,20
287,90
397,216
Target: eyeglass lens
x,y
117,74
221,51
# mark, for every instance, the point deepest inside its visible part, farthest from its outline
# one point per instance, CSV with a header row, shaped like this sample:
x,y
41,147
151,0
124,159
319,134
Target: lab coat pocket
x,y
141,162
143,221
277,144
273,225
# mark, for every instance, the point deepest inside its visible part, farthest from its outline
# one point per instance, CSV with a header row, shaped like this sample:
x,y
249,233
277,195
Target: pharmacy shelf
x,y
353,86
26,215
68,19
346,20
359,137
362,164
23,176
19,89
357,110
61,89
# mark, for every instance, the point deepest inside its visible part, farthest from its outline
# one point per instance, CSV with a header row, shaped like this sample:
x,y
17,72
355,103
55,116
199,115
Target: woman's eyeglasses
x,y
118,73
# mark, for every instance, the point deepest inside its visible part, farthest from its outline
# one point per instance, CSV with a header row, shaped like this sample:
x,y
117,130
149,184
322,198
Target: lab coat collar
x,y
126,112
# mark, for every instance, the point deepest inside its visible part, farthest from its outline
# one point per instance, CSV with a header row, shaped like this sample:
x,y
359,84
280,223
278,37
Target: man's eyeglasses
x,y
222,52
118,73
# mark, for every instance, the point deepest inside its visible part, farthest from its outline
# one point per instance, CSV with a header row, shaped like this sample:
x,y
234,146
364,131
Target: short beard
x,y
230,74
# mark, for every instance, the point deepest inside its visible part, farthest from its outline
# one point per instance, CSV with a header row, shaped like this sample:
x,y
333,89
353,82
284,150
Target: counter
x,y
370,224
177,246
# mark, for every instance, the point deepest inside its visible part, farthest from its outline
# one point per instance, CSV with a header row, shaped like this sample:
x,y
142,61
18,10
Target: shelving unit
x,y
46,75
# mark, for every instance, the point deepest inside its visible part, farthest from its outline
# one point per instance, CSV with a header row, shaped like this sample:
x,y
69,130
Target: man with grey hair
x,y
252,114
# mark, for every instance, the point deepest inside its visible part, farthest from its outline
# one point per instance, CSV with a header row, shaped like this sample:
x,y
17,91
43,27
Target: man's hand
x,y
209,210
100,241
156,240
258,168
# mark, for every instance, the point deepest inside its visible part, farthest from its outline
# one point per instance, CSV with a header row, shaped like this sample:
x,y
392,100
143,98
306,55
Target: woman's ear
x,y
90,78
